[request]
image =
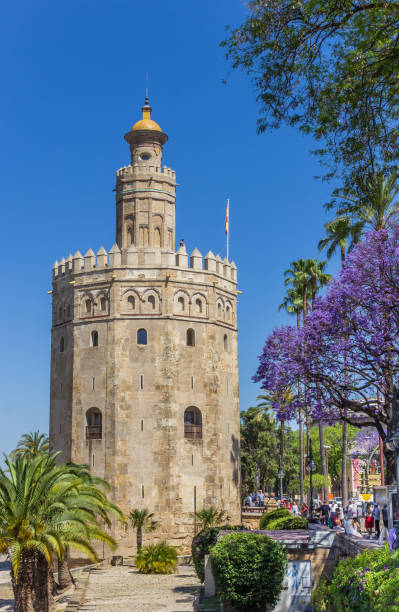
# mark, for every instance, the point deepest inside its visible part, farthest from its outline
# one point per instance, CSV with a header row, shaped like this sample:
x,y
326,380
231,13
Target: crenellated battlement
x,y
145,257
127,171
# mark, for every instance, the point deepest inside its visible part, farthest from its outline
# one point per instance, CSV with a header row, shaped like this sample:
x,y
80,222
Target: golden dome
x,y
146,123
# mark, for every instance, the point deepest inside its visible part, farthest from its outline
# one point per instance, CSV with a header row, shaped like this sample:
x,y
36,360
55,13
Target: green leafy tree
x,y
32,444
211,517
329,68
142,520
44,508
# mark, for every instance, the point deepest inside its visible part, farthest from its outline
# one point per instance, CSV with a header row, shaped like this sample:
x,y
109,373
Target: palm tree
x,y
293,304
211,517
142,520
377,208
32,444
307,276
341,234
44,508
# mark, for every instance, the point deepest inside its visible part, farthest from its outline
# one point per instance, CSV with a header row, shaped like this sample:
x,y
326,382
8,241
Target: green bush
x,y
289,522
157,559
368,582
202,544
273,515
248,569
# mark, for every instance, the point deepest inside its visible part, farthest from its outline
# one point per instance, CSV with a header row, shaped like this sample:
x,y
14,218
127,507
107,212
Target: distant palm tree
x,y
293,303
341,234
211,517
32,444
378,207
142,520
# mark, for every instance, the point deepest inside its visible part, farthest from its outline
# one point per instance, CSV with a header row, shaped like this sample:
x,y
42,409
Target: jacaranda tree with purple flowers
x,y
349,346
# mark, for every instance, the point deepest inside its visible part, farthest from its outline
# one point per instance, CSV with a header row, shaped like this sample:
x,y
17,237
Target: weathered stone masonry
x,y
159,420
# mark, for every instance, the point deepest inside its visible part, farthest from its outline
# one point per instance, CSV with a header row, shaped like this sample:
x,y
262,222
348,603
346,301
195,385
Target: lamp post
x,y
392,442
281,476
311,467
327,448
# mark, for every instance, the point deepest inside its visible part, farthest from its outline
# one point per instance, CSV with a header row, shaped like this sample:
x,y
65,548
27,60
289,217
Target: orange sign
x,y
330,496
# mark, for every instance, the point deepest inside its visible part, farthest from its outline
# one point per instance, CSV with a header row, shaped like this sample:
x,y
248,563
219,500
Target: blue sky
x,y
73,77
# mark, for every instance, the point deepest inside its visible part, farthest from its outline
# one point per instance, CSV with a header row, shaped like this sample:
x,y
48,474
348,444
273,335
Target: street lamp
x,y
327,448
392,442
311,467
281,476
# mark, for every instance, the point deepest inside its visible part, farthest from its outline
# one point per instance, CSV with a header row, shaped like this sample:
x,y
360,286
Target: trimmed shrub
x,y
368,582
289,522
202,544
273,515
157,559
248,569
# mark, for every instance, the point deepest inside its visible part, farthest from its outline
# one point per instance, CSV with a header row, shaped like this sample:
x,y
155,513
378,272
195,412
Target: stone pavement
x,y
123,589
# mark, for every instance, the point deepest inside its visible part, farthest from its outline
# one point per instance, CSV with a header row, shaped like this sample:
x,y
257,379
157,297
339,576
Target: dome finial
x,y
147,101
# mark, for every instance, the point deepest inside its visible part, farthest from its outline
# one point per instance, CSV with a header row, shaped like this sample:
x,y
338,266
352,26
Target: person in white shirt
x,y
295,509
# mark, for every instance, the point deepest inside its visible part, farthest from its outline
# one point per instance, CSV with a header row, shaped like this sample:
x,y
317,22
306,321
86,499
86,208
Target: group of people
x,y
334,515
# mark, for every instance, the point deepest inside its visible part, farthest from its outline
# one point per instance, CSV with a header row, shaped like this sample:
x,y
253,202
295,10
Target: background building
x,y
144,371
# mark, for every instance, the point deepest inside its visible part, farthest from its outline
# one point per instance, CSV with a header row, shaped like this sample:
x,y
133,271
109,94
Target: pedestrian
x,y
376,515
248,500
385,515
261,497
325,513
295,509
369,522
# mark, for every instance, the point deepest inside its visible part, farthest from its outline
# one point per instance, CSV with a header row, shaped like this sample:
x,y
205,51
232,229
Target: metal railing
x,y
94,432
192,432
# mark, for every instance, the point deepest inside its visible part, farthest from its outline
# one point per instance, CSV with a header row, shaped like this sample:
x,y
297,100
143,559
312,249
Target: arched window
x,y
62,344
94,424
225,342
142,336
131,302
151,301
228,313
198,306
219,311
193,423
94,338
103,304
180,301
157,237
60,313
69,311
190,337
130,236
88,306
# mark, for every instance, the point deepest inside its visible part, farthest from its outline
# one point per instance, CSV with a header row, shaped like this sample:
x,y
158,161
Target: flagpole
x,y
228,228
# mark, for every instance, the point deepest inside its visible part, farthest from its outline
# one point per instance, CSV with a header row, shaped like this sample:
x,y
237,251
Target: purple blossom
x,y
347,352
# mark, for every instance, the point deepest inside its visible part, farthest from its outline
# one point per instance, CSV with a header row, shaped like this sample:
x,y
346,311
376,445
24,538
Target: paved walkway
x,y
123,589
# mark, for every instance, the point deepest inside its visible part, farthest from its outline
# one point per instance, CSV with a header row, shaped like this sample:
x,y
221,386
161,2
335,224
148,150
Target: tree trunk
x,y
301,475
323,459
281,456
139,538
344,455
390,476
35,587
65,579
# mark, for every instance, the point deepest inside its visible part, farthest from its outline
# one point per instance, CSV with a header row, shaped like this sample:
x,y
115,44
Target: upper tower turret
x,y
146,140
145,192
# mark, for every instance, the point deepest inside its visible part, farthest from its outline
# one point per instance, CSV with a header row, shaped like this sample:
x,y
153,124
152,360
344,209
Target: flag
x,y
226,223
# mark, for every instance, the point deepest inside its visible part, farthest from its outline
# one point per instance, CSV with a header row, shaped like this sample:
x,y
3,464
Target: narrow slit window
x,y
88,306
142,491
131,302
151,301
180,301
225,342
141,382
198,306
192,382
103,304
94,338
142,336
190,337
93,382
142,425
62,344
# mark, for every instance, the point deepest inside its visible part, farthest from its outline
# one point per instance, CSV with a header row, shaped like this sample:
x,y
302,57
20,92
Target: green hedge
x,y
288,522
202,544
248,570
273,515
368,582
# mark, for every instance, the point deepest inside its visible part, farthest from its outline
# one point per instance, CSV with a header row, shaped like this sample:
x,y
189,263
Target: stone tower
x,y
144,372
